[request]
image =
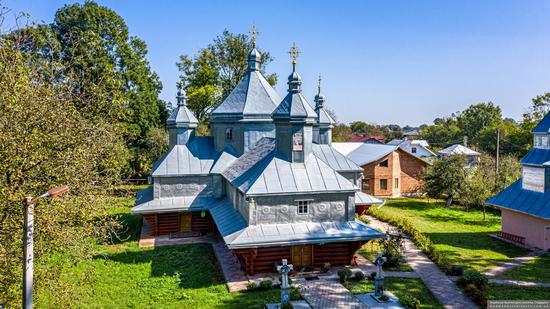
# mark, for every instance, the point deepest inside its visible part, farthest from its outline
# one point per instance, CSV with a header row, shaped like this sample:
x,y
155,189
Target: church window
x,y
229,134
544,141
303,207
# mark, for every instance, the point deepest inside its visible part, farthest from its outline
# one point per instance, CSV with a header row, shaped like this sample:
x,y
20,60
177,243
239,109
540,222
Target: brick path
x,y
324,294
445,290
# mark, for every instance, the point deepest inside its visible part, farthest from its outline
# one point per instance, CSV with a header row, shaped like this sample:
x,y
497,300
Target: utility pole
x,y
498,151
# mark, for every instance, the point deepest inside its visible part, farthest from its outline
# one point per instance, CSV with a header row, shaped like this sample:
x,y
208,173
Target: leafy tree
x,y
90,45
215,71
341,133
443,133
446,178
48,140
540,107
477,117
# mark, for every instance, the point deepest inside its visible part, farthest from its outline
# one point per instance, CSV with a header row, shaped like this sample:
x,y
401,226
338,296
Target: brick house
x,y
388,170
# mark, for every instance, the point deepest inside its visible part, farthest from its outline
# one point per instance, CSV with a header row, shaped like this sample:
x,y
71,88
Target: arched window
x,y
229,134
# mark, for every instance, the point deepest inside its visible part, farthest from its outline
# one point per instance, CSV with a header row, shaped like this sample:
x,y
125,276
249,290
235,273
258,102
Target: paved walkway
x,y
235,278
325,294
445,290
511,264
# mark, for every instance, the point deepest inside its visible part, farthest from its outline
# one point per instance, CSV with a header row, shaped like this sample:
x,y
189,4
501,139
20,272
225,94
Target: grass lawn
x,y
536,270
510,292
122,275
462,235
372,248
399,287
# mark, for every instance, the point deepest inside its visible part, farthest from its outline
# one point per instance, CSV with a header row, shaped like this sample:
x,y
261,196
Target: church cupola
x,y
322,130
294,118
182,123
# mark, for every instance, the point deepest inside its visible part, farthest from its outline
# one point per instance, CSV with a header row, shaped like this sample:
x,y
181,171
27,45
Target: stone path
x,y
325,294
520,283
509,265
235,278
445,290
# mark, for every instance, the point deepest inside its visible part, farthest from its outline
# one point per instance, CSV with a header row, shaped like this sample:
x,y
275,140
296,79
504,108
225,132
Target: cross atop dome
x,y
319,85
254,33
294,52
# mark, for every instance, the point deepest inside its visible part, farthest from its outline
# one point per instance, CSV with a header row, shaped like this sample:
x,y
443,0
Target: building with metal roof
x,y
525,204
416,147
457,149
268,180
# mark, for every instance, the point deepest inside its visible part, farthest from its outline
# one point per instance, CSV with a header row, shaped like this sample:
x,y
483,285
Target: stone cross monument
x,y
284,269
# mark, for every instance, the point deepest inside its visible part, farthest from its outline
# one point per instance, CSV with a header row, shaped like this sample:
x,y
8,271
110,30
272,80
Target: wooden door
x,y
185,221
302,255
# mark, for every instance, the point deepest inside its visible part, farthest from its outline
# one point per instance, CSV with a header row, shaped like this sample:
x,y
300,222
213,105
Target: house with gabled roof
x,y
267,181
525,204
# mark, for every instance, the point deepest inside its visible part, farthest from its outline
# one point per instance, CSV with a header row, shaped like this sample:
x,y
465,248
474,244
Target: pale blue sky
x,y
403,62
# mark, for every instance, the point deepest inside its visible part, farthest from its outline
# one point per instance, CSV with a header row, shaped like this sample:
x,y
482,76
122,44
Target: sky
x,y
402,62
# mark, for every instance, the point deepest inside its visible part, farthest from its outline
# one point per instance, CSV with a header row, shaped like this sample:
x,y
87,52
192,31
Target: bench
x,y
512,237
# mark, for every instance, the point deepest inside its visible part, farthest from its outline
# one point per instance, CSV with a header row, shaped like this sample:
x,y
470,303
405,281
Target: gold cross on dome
x,y
254,34
294,52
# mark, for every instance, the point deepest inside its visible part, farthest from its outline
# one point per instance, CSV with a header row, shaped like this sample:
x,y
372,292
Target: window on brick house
x,y
303,207
366,184
396,183
383,184
384,163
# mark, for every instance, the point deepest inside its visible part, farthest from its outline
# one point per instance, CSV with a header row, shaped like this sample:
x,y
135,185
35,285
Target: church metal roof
x,y
323,117
294,105
195,158
514,197
262,170
238,234
253,97
543,126
181,115
335,159
362,198
145,203
537,156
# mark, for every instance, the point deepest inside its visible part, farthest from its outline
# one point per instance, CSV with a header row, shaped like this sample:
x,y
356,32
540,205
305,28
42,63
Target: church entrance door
x,y
302,255
185,221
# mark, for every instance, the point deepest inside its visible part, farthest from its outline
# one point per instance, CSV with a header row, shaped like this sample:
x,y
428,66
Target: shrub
x,y
295,294
384,298
344,274
266,284
460,281
251,286
359,276
477,295
287,305
372,275
456,270
409,302
326,267
364,219
472,276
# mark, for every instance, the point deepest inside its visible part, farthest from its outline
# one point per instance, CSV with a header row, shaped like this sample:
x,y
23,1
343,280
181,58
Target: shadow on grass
x,y
195,265
130,227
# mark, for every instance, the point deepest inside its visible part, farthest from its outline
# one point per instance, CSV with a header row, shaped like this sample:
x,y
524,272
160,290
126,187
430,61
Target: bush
x,y
295,294
384,298
456,270
372,275
287,305
364,219
409,302
326,267
477,295
344,274
251,286
476,278
359,276
266,284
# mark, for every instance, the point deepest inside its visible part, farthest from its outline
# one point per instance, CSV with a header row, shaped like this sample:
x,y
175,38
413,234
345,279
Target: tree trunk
x,y
449,201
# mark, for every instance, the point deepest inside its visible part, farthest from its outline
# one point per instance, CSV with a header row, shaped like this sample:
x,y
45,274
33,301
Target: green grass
x,y
399,287
511,292
372,248
536,270
462,235
122,275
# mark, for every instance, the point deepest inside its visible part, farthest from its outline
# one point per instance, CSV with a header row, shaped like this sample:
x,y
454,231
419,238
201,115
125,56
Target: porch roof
x,y
514,197
145,203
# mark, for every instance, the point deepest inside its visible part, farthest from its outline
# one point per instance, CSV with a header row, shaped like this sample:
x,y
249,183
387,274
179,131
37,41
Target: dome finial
x,y
181,95
254,34
319,85
294,52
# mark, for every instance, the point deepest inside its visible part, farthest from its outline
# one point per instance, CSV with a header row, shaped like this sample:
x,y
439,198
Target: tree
x,y
478,117
539,108
446,178
90,45
215,71
48,140
341,133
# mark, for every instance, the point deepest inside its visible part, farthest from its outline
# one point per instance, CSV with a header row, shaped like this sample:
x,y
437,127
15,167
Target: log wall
x,y
166,223
200,224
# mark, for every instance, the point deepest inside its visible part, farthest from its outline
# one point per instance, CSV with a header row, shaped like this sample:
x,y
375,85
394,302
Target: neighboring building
x,y
388,170
268,180
525,204
416,147
472,155
410,135
371,139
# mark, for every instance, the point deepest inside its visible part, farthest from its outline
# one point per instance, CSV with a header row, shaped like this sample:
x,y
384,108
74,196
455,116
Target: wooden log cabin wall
x,y
262,260
166,223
